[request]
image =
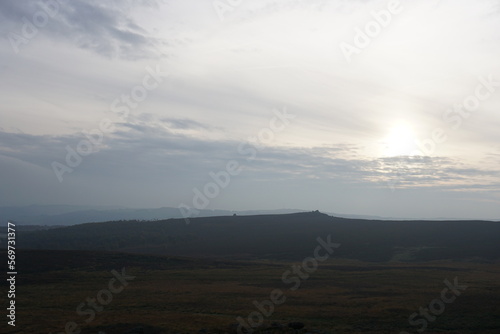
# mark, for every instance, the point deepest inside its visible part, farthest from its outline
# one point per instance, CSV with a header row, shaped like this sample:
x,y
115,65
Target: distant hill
x,y
66,215
281,237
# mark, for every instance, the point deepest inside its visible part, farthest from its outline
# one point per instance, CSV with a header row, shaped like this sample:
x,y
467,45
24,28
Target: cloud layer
x,y
350,146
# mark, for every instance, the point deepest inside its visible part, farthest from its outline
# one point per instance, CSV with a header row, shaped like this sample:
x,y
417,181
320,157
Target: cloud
x,y
178,123
105,28
226,78
151,145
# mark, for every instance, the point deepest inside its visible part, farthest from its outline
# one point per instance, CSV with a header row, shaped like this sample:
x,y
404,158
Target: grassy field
x,y
182,295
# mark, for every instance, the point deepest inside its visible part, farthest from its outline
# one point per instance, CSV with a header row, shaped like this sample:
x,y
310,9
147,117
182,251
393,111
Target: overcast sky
x,y
361,107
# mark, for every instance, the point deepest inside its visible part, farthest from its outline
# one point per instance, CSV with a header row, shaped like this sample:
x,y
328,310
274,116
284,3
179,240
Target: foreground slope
x,y
180,295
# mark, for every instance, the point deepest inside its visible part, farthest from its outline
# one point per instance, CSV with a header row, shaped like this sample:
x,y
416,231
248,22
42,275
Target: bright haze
x,y
361,107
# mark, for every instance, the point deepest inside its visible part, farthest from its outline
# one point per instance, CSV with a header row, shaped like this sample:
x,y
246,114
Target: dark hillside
x,y
282,237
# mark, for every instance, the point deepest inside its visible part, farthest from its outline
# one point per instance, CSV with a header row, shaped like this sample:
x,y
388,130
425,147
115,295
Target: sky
x,y
388,108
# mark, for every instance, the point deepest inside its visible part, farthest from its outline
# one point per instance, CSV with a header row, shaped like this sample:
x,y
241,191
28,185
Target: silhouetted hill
x,y
283,237
56,215
65,215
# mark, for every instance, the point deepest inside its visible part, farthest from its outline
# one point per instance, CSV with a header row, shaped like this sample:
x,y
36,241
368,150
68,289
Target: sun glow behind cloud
x,y
400,140
353,119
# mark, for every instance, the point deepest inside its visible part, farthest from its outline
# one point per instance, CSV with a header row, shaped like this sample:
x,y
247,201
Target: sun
x,y
399,141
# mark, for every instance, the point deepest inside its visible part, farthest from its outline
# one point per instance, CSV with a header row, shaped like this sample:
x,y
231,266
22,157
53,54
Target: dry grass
x,y
341,296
